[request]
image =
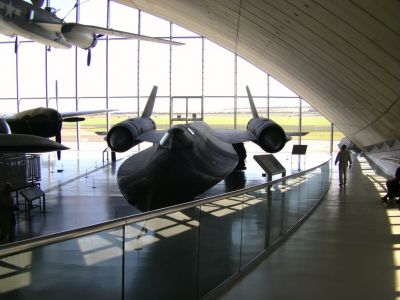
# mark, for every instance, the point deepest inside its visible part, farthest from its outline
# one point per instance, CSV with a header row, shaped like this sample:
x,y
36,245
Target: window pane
x,y
154,26
92,79
64,9
124,105
218,71
31,71
94,12
61,67
180,31
122,67
154,68
8,74
319,128
186,68
4,38
278,89
251,76
123,17
8,106
218,112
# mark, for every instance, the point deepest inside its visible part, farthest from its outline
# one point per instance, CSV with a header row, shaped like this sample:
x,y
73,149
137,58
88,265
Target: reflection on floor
x,y
82,189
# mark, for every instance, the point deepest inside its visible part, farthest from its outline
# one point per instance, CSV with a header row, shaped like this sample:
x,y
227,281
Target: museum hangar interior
x,y
343,59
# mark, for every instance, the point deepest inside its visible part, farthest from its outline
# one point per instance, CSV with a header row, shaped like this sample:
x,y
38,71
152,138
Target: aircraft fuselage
x,y
19,18
44,122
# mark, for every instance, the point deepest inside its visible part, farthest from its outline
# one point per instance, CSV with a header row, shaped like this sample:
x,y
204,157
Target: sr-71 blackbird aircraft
x,y
19,18
186,159
40,122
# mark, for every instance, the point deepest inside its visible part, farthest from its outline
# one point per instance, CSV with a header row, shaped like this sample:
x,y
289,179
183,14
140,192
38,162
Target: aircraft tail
x,y
252,105
148,110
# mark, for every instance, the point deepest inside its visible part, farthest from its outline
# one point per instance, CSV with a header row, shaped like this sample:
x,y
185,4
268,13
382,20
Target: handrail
x,y
29,244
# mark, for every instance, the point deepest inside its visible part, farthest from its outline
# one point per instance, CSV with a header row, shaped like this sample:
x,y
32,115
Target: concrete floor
x,y
348,249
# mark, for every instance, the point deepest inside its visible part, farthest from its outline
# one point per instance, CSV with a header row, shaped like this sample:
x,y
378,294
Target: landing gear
x,y
241,152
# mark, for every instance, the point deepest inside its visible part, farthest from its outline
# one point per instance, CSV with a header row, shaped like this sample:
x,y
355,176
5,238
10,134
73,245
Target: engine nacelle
x,y
78,36
270,136
123,136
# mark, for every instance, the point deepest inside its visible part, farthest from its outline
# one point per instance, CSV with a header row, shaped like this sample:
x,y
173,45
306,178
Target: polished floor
x,y
347,249
82,189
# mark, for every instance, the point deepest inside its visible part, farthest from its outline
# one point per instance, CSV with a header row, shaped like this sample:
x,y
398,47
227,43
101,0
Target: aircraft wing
x,y
24,143
117,33
84,113
234,136
55,27
296,133
153,136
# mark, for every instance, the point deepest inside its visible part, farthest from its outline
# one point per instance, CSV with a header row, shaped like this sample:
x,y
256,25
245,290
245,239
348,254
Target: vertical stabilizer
x,y
150,103
252,106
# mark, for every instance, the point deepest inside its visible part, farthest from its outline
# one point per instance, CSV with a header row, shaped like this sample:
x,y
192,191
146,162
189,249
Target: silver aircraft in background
x,y
19,18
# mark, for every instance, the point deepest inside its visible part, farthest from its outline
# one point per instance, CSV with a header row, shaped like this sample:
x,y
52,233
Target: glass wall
x,y
123,72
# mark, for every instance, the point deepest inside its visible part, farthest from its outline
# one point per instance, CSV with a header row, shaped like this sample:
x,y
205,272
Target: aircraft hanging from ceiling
x,y
185,160
42,122
19,18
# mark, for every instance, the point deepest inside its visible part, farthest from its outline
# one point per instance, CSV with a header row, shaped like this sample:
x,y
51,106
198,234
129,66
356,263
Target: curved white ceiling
x,y
342,56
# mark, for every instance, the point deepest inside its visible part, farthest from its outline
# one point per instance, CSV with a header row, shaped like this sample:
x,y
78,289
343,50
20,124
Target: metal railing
x,y
198,245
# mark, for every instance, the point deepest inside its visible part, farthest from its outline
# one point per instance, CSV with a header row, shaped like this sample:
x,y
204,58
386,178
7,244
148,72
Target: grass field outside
x,y
318,127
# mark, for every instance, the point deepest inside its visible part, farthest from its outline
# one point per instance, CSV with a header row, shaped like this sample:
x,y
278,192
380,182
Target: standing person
x,y
344,159
7,217
393,186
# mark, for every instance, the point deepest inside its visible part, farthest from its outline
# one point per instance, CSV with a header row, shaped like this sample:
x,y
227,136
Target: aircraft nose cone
x,y
181,138
177,137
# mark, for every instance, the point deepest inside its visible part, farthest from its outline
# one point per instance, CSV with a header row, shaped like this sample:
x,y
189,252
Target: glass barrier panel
x,y
276,213
290,191
220,241
254,226
304,205
326,171
315,189
65,270
161,257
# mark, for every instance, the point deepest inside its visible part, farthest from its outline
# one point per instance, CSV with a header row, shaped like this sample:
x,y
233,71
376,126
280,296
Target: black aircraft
x,y
185,160
24,143
19,18
42,122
